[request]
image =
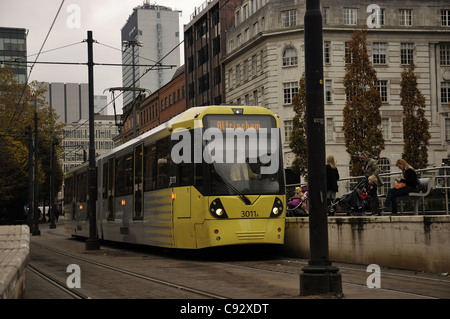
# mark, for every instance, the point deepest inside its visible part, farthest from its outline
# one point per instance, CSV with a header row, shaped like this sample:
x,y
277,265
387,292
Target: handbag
x,y
399,185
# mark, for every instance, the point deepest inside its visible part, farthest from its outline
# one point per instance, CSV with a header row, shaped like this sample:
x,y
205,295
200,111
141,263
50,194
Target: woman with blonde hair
x,y
408,183
332,179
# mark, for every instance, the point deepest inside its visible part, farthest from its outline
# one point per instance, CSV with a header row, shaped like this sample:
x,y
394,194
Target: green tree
x,y
18,104
415,126
298,142
361,114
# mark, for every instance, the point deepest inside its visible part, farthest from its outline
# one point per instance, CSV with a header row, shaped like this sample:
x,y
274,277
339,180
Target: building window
x,y
289,90
230,79
328,91
237,17
445,18
287,130
327,52
255,28
445,92
325,15
386,128
350,16
246,73
406,17
329,129
382,86
445,54
407,53
379,53
254,65
447,129
255,98
290,57
238,75
347,54
289,18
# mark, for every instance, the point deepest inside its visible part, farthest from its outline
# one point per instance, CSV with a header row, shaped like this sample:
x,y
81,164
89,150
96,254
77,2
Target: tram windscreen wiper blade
x,y
234,189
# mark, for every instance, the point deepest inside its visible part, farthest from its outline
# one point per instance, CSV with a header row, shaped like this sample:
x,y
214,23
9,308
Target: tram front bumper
x,y
240,231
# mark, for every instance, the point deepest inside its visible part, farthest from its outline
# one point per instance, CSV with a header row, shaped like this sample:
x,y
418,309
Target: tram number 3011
x,y
248,213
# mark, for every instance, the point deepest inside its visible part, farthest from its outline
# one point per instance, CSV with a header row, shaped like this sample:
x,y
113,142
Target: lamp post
x,y
36,231
319,277
52,185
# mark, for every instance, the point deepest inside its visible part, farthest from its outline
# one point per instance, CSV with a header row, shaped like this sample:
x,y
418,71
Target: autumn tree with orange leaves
x,y
18,103
361,114
415,126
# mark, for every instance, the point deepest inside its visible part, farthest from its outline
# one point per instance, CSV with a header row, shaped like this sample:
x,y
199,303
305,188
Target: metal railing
x,y
437,202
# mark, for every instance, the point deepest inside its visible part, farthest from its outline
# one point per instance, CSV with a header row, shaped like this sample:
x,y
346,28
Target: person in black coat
x,y
332,179
410,181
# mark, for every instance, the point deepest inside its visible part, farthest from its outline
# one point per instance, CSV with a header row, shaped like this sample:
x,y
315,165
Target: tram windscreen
x,y
243,153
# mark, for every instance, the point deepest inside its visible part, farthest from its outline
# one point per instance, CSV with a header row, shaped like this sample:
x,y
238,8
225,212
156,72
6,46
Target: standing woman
x,y
332,179
410,184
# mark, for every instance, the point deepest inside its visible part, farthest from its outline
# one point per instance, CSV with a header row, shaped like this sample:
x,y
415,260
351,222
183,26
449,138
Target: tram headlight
x,y
277,208
216,209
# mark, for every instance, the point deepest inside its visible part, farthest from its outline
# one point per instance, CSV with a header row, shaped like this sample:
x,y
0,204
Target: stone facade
x,y
265,60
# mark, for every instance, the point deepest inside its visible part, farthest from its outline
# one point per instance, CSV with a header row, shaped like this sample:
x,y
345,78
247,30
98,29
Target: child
x,y
373,196
296,199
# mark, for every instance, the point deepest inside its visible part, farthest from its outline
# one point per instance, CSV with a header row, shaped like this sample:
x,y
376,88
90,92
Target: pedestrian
x,y
371,167
332,179
408,183
373,195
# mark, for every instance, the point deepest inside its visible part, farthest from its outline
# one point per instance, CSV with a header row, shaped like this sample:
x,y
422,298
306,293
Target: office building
x,y
13,48
204,48
71,101
150,33
76,139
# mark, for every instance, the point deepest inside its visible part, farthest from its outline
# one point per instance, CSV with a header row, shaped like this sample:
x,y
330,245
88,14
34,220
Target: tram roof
x,y
186,120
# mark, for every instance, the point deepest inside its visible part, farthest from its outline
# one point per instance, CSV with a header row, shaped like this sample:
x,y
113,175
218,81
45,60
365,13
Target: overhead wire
x,y
32,66
158,63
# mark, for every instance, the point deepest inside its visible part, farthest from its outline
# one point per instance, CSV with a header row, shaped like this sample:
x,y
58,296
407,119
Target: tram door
x,y
110,188
138,182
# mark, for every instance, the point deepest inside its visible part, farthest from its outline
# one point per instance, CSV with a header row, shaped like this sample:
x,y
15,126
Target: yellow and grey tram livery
x,y
211,176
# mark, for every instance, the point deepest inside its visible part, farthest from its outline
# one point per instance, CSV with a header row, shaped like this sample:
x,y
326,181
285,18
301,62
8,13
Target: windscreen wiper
x,y
234,189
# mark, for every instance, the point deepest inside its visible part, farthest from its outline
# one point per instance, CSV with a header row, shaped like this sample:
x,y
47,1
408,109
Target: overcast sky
x,y
105,18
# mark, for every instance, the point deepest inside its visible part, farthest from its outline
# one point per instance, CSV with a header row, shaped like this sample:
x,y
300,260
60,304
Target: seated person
x,y
298,198
242,171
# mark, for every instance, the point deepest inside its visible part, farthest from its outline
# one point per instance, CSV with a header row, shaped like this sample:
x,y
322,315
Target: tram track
x,y
223,274
388,276
58,284
155,280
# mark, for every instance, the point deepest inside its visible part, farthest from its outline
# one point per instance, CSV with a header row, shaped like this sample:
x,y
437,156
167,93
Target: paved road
x,y
237,273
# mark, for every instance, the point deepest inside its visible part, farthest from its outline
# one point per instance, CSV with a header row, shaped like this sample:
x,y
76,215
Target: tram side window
x,y
81,187
105,180
162,156
183,171
128,190
68,190
150,168
120,174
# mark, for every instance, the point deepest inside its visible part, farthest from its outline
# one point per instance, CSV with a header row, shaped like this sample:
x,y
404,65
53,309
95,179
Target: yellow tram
x,y
210,176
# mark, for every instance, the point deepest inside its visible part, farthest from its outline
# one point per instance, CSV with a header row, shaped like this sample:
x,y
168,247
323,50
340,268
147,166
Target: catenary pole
x,y
93,242
319,277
